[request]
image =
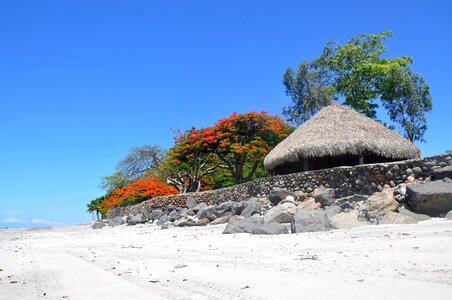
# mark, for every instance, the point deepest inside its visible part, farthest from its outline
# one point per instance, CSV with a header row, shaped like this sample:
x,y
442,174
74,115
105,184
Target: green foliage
x,y
356,69
143,161
308,90
407,98
359,73
94,207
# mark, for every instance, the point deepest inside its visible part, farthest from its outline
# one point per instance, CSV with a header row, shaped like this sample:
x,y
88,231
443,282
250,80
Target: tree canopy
x,y
360,73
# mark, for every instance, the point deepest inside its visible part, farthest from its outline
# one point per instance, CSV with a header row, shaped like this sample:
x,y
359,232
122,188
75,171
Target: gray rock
x,y
173,215
409,172
449,215
224,208
309,221
347,220
170,207
187,212
381,203
162,220
331,211
417,171
156,214
98,225
238,224
270,228
389,175
395,218
324,196
253,225
277,195
190,203
346,205
443,172
136,219
116,221
198,207
237,208
432,198
281,213
253,207
207,212
418,217
221,220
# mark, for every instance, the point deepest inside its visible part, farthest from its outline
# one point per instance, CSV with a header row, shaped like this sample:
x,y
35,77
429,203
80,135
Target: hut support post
x,y
361,159
305,165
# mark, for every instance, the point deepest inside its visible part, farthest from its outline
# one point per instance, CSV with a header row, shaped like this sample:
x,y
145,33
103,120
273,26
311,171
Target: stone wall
x,y
363,179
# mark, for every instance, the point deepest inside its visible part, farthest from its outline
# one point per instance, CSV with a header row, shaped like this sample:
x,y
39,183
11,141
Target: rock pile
x,y
412,195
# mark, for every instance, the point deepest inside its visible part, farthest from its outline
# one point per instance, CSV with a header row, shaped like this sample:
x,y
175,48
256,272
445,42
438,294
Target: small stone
x,y
417,171
409,172
388,175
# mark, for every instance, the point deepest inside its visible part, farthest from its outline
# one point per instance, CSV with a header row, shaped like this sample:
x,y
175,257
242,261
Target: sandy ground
x,y
143,262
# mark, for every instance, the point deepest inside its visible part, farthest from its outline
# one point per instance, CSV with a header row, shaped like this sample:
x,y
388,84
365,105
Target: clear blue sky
x,y
83,81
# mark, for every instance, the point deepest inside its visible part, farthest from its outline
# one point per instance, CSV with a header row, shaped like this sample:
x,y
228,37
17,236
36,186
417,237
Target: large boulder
x,y
408,213
162,220
331,211
381,203
238,224
190,203
277,195
253,207
156,214
443,172
237,208
135,219
224,208
432,198
281,213
347,220
116,221
324,196
310,221
271,228
173,215
253,225
207,212
395,218
198,207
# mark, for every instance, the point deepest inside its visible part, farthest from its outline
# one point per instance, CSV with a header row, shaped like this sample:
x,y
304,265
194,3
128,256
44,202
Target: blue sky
x,y
83,81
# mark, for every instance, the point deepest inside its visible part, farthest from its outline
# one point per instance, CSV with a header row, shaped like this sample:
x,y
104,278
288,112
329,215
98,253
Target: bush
x,y
137,191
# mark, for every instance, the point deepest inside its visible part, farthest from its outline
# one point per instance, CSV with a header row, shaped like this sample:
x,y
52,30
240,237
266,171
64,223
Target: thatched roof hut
x,y
338,136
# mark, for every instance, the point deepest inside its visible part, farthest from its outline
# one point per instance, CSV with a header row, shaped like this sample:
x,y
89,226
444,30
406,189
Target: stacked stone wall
x,y
362,179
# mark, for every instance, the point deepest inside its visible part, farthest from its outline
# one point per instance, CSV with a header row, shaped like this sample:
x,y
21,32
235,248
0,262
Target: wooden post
x,y
305,165
361,159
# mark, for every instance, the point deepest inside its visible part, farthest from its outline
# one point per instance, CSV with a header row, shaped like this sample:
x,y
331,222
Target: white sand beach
x,y
143,262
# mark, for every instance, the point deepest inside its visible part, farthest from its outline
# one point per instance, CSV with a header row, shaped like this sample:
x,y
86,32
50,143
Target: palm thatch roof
x,y
339,130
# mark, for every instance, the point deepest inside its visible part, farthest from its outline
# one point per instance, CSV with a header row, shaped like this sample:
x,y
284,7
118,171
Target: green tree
x,y
308,90
94,207
407,98
357,68
142,161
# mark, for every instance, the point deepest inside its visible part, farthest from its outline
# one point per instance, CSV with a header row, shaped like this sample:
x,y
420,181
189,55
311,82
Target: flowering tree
x,y
137,191
232,143
187,164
